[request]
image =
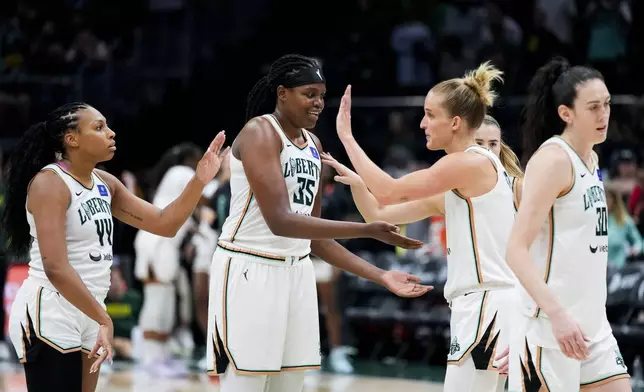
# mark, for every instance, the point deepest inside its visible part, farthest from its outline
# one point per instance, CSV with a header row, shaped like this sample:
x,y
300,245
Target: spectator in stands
x,y
123,305
624,239
623,172
609,23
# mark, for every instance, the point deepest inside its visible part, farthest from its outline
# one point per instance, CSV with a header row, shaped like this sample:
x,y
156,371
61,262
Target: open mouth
x,y
314,113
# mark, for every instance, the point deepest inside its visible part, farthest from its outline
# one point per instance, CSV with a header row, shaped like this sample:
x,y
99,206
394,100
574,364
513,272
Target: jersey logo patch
x,y
102,190
599,174
314,152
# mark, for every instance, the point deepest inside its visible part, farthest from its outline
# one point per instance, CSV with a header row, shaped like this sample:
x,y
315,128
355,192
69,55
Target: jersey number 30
x,y
602,222
304,194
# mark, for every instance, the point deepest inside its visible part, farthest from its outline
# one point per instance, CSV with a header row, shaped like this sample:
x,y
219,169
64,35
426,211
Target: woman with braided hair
x,y
58,321
263,317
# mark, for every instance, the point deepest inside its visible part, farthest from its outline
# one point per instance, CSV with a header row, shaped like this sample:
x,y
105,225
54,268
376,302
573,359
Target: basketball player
x,y
558,246
263,315
58,316
158,263
472,190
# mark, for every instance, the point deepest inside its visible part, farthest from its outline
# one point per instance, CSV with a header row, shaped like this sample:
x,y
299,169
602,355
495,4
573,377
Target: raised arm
x,y
400,283
369,208
48,200
546,178
258,147
453,171
137,212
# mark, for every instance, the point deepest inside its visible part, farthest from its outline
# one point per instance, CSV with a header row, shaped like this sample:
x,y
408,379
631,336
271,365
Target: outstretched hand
x,y
404,285
345,175
209,165
389,234
343,120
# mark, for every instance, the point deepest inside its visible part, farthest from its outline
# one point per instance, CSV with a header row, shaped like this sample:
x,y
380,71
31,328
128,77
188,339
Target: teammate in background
x,y
559,243
158,264
471,188
263,317
59,311
326,278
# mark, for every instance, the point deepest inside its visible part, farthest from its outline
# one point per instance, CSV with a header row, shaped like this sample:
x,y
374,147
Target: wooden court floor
x,y
127,380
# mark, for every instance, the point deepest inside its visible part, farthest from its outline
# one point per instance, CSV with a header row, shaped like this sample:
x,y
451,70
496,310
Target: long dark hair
x,y
553,85
174,156
41,145
262,97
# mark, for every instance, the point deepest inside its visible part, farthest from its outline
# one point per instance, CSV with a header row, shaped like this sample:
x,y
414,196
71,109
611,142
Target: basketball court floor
x,y
127,380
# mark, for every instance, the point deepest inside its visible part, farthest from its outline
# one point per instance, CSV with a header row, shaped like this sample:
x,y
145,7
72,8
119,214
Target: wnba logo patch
x,y
314,152
102,190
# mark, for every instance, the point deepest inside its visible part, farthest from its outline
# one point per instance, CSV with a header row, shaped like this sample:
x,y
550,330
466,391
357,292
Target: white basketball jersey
x,y
245,228
88,233
478,229
571,251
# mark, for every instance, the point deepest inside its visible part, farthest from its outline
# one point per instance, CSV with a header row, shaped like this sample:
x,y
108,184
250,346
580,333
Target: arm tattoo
x,y
404,199
126,212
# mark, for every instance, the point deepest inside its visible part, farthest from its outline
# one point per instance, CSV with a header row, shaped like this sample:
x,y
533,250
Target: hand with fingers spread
x,y
211,161
571,339
389,234
504,367
343,120
345,175
404,285
104,340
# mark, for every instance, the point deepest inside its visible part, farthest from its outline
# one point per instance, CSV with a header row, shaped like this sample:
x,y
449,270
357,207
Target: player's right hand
x,y
104,340
389,234
571,339
345,175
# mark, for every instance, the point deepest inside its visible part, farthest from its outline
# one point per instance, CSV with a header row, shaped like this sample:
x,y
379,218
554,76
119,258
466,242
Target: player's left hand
x,y
504,367
343,120
210,163
403,284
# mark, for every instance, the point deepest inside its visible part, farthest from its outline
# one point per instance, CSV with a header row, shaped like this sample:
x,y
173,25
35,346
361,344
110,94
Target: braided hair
x,y
41,145
262,98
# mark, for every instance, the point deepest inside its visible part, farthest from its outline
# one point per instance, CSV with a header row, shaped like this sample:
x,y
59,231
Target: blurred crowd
x,y
381,48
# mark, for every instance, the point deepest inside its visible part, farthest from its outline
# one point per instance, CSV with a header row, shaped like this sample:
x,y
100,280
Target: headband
x,y
301,77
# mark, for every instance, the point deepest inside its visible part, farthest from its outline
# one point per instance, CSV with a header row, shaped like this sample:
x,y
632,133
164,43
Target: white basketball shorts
x,y
323,270
480,326
548,368
42,316
262,313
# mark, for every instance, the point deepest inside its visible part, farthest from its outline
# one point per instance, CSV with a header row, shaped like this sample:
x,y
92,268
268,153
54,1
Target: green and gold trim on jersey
x,y
249,199
475,252
551,243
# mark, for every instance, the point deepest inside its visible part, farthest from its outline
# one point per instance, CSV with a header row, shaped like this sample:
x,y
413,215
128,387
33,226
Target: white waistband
x,y
478,288
259,257
34,280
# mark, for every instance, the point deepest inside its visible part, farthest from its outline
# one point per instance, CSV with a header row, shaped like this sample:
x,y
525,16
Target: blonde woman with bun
x,y
472,189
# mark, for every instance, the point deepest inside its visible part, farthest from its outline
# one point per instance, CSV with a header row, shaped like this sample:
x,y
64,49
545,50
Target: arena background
x,y
168,71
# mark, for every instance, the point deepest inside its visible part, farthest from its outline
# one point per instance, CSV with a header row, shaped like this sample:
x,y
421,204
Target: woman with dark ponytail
x,y
559,243
268,331
58,323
